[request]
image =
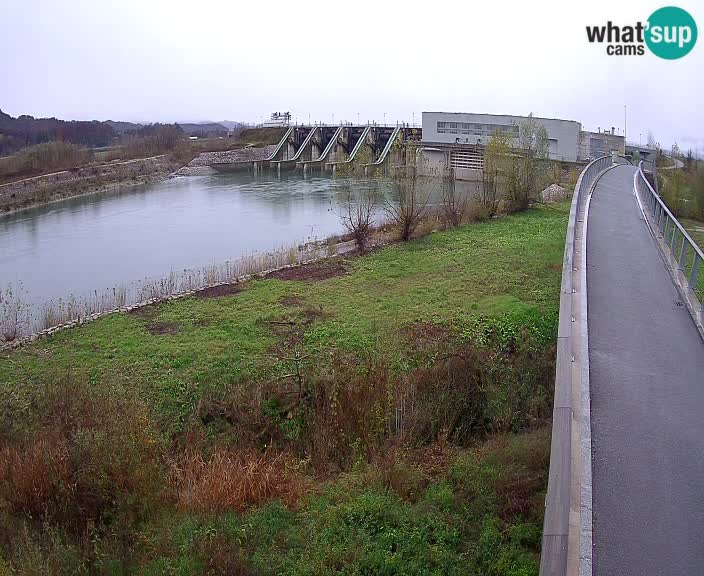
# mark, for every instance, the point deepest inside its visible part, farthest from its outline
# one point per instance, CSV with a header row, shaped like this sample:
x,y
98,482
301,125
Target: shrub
x,y
413,195
93,459
14,314
357,213
44,158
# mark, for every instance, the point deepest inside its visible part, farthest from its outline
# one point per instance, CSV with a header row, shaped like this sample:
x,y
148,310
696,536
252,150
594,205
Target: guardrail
x,y
621,158
687,255
565,455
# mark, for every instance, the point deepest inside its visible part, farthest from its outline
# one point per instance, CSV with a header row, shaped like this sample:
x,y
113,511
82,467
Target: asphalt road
x,y
647,384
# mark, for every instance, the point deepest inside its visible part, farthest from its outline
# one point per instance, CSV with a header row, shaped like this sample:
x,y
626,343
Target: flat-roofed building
x,y
595,144
457,139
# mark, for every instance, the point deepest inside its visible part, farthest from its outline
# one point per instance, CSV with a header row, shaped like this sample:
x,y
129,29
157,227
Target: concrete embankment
x,y
201,164
82,180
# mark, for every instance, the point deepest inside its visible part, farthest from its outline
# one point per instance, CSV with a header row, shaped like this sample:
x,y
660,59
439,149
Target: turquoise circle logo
x,y
670,33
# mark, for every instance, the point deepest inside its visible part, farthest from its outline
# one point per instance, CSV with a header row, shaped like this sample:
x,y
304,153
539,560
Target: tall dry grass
x,y
231,479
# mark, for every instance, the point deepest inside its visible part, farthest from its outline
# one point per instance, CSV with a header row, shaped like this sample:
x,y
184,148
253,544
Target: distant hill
x,y
203,129
232,125
23,131
123,127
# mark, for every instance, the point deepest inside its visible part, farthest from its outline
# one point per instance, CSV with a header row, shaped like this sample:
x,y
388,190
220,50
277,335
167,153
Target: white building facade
x,y
457,139
472,129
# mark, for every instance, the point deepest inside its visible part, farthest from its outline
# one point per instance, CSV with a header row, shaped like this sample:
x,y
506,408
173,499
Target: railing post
x,y
673,246
693,276
683,253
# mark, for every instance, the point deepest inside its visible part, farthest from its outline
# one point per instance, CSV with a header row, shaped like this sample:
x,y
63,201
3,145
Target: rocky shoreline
x,y
201,164
101,177
90,179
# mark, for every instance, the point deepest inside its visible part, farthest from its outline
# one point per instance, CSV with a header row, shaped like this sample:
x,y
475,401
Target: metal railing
x,y
687,255
565,447
619,158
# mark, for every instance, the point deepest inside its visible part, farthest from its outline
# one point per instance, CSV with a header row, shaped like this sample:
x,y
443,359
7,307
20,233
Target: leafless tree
x,y
454,202
357,213
413,196
14,316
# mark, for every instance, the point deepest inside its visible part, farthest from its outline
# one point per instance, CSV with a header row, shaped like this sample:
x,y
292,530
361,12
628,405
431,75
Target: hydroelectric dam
x,y
368,149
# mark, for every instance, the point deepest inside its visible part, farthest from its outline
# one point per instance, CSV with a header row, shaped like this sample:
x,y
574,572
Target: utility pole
x,y
624,124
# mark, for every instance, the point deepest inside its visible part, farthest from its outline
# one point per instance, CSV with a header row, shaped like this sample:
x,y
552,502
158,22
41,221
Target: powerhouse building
x,y
457,139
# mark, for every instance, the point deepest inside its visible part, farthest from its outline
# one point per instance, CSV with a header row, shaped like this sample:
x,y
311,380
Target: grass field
x,y
383,414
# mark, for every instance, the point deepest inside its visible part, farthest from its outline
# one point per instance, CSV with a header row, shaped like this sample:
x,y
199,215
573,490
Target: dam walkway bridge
x,y
626,485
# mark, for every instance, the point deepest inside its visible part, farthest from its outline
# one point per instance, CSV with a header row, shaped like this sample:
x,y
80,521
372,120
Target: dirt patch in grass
x,y
313,272
292,301
162,328
149,311
424,336
219,291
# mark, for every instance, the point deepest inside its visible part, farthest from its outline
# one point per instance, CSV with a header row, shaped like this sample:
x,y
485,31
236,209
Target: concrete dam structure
x,y
368,149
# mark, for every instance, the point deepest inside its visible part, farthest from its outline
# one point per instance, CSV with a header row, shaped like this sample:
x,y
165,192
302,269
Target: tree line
x,y
25,131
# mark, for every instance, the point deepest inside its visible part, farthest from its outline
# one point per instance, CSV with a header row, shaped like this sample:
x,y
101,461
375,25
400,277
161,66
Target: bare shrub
x,y
454,203
444,401
357,213
347,414
235,480
14,314
413,197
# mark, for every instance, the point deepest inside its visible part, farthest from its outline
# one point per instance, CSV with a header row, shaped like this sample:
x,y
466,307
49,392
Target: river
x,y
117,238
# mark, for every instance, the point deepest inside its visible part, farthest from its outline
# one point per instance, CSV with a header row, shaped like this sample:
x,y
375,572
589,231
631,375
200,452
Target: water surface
x,y
118,238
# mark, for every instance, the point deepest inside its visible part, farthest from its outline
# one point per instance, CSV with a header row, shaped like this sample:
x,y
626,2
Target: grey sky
x,y
172,60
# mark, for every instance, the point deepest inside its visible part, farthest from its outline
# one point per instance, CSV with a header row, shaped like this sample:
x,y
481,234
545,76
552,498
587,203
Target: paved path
x,y
647,385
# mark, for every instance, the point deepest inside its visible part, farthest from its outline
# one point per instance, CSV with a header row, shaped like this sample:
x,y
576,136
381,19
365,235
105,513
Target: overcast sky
x,y
149,60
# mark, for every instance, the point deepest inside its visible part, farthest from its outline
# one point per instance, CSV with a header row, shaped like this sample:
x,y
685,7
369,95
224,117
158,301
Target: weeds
x,y
14,314
235,480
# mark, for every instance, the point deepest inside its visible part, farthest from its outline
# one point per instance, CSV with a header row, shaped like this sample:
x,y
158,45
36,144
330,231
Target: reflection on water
x,y
115,238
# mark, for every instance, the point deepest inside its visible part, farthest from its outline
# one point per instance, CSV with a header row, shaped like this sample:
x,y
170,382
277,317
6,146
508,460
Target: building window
x,y
476,129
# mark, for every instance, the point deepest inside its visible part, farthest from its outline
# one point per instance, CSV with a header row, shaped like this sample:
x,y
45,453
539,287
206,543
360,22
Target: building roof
x,y
488,114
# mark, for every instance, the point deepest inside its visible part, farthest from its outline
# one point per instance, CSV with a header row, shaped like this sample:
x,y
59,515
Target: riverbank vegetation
x,y
36,146
380,414
682,189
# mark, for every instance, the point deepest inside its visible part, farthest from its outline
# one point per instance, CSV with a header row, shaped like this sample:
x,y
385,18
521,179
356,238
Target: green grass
x,y
357,525
381,501
695,229
508,266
